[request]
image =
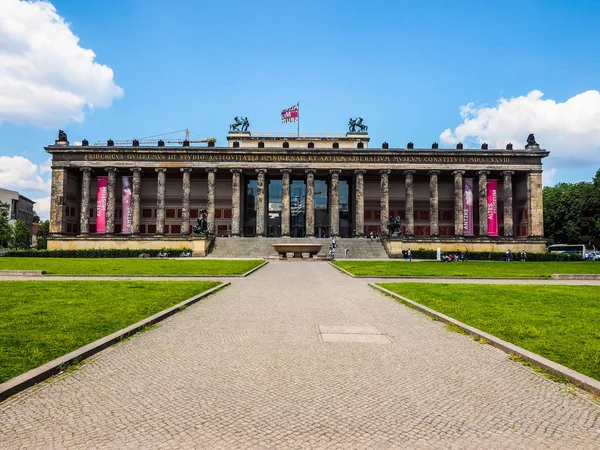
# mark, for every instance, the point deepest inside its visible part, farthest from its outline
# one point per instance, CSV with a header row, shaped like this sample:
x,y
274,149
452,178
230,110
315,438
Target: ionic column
x,y
385,201
409,206
285,202
334,203
185,201
84,223
260,202
160,201
310,202
535,203
135,200
57,200
434,209
110,200
459,229
210,204
483,212
508,204
235,201
360,203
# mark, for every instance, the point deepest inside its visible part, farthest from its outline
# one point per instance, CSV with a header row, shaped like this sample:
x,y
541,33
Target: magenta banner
x,y
126,204
468,206
492,207
291,114
101,205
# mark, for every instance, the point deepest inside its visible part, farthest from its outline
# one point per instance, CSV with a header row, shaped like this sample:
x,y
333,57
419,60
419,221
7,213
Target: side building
x,y
280,185
20,207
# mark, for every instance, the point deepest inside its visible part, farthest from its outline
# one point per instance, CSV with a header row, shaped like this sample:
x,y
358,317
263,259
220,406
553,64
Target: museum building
x,y
302,186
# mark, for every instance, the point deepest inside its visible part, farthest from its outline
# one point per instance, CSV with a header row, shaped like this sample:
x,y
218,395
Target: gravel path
x,y
299,355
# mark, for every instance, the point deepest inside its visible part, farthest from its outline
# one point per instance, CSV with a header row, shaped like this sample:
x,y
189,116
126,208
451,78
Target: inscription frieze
x,y
299,158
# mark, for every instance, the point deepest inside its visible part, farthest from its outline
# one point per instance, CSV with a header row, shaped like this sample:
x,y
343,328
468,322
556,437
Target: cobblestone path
x,y
247,368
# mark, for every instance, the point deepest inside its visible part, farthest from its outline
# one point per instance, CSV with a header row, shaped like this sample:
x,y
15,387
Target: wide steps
x,y
255,247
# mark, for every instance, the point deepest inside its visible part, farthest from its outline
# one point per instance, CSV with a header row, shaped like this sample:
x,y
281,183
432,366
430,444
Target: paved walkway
x,y
247,368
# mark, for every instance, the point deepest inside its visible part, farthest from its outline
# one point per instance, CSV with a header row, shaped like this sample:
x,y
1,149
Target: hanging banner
x,y
492,207
126,206
101,204
468,206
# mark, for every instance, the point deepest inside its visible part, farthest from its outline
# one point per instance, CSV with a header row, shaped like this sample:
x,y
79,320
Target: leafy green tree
x,y
5,228
42,235
21,236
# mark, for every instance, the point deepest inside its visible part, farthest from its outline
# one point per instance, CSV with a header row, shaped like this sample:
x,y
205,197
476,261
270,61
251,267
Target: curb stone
x,y
34,376
583,381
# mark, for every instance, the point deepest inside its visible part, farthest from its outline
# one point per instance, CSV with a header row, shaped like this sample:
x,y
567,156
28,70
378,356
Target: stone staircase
x,y
243,247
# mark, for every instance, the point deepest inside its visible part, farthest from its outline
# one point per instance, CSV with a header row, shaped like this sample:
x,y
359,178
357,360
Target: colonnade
x,y
533,186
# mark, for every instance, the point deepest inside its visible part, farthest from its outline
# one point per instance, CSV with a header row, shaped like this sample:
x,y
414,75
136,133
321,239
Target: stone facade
x,y
299,187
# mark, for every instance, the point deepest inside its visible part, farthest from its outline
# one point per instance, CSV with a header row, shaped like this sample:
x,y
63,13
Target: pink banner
x,y
101,205
492,207
126,204
468,206
290,114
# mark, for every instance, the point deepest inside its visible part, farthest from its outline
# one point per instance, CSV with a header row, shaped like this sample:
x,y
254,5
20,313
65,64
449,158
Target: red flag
x,y
290,114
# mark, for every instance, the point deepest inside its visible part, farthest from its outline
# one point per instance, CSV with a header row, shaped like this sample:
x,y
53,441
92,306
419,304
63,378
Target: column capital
x,y
508,172
259,171
313,171
434,172
160,170
85,169
409,172
110,169
236,170
335,171
385,171
360,171
186,169
458,172
211,169
135,169
483,172
285,170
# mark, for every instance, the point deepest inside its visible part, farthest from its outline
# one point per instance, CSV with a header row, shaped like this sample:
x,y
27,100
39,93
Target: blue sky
x,y
406,68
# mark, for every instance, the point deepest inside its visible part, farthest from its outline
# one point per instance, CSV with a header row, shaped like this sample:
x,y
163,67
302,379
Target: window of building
x,y
147,213
336,145
151,229
311,145
175,229
193,214
286,145
360,145
170,213
261,144
236,144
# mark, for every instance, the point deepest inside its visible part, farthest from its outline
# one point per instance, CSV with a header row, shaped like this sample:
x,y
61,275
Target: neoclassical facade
x,y
295,186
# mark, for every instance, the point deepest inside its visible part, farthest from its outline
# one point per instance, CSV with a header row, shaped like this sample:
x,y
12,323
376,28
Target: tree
x,y
36,218
572,213
5,228
21,236
42,235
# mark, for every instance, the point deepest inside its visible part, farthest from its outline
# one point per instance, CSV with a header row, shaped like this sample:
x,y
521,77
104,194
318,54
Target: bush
x,y
95,253
498,256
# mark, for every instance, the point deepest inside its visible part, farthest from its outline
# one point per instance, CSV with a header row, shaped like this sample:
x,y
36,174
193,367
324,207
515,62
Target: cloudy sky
x,y
465,70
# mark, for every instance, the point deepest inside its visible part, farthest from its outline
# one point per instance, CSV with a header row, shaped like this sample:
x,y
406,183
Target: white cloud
x,y
42,207
46,78
18,173
548,177
569,130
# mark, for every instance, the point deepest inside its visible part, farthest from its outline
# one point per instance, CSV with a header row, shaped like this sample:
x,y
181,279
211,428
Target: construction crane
x,y
153,140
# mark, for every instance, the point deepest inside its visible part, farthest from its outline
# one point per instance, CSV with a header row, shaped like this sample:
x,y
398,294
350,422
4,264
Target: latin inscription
x,y
225,157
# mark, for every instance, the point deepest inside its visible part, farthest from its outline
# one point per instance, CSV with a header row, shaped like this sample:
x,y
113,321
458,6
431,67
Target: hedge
x,y
95,253
495,256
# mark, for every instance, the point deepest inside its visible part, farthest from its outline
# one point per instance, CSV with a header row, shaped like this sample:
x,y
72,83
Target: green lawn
x,y
130,266
479,269
561,323
42,320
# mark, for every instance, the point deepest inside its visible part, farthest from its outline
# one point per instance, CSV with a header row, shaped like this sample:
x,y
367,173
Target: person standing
x,y
409,256
523,256
346,252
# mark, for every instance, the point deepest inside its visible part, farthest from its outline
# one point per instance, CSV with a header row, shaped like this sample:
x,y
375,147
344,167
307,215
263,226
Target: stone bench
x,y
297,249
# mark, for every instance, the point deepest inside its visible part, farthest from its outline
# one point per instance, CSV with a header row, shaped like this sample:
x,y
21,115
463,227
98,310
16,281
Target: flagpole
x,y
298,119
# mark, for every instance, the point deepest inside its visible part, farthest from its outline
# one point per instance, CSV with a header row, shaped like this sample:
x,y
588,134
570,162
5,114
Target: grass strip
x,y
131,266
476,269
40,321
557,322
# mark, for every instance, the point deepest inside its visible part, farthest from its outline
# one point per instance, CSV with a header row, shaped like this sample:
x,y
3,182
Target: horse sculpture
x,y
201,226
353,123
395,226
240,124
